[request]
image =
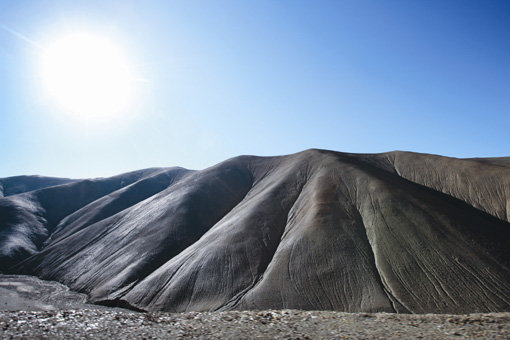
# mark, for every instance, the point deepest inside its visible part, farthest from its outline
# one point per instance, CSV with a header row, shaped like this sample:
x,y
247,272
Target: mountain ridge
x,y
314,230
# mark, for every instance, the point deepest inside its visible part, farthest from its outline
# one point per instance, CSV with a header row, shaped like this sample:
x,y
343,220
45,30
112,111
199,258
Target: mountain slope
x,y
397,231
19,184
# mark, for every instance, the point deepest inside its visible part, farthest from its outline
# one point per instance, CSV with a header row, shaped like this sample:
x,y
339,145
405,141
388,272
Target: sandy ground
x,y
34,309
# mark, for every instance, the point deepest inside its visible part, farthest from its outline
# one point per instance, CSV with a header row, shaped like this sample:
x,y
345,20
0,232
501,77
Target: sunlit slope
x,y
19,184
398,231
29,220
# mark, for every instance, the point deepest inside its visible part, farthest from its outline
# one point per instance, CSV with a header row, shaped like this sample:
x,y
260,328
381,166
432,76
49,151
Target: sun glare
x,y
87,77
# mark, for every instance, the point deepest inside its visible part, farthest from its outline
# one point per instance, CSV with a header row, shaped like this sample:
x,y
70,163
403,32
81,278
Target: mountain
x,y
396,232
19,184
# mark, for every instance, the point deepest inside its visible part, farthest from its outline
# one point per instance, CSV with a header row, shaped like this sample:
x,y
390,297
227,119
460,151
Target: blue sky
x,y
225,78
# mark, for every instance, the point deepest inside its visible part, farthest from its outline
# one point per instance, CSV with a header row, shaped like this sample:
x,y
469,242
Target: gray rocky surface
x,y
270,324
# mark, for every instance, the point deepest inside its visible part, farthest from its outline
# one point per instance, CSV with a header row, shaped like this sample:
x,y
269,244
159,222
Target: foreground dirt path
x,y
286,324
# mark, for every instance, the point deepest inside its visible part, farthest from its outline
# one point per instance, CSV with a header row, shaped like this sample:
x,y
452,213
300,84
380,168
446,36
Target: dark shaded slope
x,y
19,184
315,230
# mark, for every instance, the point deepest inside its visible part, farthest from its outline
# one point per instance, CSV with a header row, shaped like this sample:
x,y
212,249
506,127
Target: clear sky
x,y
217,79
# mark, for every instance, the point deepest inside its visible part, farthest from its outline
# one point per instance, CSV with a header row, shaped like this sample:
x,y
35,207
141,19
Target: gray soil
x,y
286,324
23,292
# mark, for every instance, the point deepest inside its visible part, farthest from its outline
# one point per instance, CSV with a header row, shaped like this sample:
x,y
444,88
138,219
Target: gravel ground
x,y
287,324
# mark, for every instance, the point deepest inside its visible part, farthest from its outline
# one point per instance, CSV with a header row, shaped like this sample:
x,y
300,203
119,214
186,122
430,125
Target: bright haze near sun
x,y
87,77
97,88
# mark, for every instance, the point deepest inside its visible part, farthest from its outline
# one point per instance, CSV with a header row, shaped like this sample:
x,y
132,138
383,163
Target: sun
x,y
87,76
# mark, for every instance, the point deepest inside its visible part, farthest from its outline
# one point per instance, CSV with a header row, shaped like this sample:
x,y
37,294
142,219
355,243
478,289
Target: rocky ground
x,y
33,309
286,324
24,292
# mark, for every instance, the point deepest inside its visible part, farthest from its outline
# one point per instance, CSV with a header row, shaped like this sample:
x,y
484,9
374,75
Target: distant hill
x,y
19,184
396,232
